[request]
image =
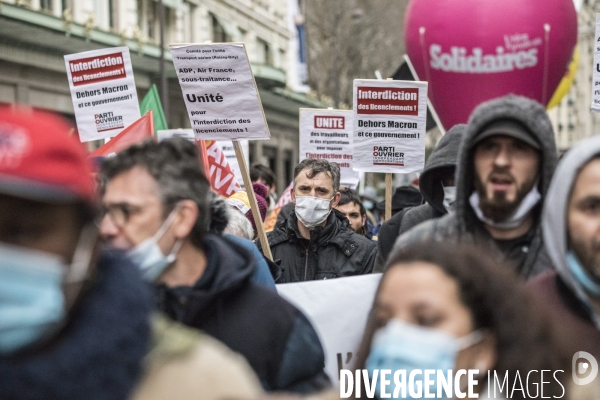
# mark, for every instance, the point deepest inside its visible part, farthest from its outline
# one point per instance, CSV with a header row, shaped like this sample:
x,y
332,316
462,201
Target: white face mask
x,y
515,220
449,197
312,211
148,255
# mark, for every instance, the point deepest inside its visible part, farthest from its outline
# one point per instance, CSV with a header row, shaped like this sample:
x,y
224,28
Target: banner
x,y
286,197
390,118
137,132
219,91
103,92
338,310
152,102
222,177
596,69
229,152
327,134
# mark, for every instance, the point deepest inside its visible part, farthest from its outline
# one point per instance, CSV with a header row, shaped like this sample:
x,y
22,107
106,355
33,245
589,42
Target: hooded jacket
x,y
560,289
463,224
275,337
444,156
333,251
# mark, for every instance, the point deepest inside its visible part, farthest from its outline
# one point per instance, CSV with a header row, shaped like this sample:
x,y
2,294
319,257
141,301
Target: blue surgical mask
x,y
148,255
368,204
32,303
403,346
590,285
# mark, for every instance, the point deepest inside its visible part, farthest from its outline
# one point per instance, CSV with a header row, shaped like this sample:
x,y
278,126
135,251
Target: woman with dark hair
x,y
455,308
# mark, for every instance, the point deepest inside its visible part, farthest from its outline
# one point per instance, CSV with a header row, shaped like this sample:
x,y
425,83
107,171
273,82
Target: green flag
x,y
152,102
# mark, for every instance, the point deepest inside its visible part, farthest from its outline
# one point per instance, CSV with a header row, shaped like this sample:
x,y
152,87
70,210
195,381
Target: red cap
x,y
41,160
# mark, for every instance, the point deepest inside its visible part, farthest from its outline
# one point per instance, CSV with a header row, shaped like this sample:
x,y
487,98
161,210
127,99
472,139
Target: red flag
x,y
222,178
141,129
286,197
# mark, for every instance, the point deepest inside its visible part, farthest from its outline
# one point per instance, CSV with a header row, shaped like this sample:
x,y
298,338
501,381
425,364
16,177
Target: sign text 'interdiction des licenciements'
x,y
97,69
390,101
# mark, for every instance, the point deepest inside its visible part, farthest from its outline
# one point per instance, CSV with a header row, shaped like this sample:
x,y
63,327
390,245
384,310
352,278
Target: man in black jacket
x,y
156,203
315,241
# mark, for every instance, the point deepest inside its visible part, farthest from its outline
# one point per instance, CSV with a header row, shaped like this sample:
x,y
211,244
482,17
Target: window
x,y
67,4
46,5
263,52
112,16
219,34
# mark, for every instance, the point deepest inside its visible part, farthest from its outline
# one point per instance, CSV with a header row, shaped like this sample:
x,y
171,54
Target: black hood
x,y
532,116
445,155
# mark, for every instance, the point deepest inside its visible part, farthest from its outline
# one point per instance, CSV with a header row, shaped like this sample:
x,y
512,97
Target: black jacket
x,y
333,251
275,337
442,159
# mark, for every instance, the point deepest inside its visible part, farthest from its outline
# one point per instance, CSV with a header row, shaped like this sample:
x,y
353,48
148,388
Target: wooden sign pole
x,y
262,236
388,196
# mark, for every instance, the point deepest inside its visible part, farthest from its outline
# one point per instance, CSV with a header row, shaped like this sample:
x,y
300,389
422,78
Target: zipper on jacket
x,y
306,264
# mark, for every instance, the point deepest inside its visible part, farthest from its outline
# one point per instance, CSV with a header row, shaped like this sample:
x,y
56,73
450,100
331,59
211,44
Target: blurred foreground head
x,y
155,202
452,307
47,237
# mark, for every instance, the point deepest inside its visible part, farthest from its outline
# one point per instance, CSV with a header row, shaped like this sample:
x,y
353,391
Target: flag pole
x,y
262,236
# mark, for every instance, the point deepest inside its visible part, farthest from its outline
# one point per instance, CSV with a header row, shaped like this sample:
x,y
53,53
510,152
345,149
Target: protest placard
x,y
596,69
219,91
389,125
103,92
327,134
338,310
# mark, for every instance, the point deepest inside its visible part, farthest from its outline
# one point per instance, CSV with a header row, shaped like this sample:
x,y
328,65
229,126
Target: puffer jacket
x,y
463,225
333,251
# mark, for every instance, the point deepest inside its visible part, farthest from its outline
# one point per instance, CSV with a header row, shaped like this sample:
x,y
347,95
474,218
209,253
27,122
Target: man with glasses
x,y
74,321
156,202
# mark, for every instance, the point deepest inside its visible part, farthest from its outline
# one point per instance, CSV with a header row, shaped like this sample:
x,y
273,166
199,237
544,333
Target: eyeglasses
x,y
119,213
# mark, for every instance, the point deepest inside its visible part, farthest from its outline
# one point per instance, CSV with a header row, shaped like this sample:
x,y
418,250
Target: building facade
x,y
573,119
36,34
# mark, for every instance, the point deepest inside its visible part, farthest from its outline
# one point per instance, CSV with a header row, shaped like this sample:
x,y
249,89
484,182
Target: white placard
x,y
169,133
327,134
219,91
229,152
596,69
338,310
103,92
389,125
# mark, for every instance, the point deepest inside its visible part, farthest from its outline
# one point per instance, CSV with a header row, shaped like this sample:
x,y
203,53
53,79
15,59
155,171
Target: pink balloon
x,y
471,51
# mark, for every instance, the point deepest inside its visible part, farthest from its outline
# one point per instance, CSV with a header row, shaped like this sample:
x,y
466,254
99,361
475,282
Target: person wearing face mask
x,y
570,225
58,291
436,310
506,160
316,241
436,184
156,207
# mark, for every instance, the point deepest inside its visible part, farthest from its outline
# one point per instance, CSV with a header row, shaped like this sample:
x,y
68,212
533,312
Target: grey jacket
x,y
444,156
554,216
463,225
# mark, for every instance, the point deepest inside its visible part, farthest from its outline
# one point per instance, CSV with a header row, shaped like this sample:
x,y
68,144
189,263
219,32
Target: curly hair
x,y
175,165
497,302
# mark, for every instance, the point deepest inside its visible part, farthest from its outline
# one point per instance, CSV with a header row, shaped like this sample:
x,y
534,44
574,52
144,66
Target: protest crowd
x,y
136,272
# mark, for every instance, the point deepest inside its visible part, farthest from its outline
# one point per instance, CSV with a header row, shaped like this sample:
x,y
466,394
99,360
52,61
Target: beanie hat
x,y
40,159
240,201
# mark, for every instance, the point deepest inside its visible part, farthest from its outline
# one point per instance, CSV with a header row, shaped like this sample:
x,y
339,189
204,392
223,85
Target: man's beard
x,y
498,208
